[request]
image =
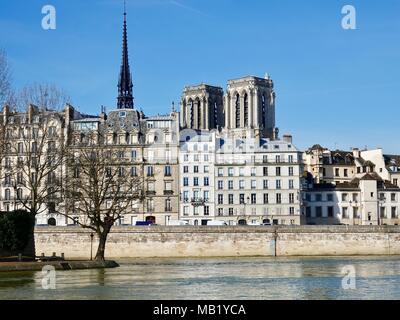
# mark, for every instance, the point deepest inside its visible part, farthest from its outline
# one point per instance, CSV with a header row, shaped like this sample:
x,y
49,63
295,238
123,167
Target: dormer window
x,y
122,114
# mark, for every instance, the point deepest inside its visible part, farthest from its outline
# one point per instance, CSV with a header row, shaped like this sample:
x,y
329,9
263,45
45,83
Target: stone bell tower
x,y
250,105
202,108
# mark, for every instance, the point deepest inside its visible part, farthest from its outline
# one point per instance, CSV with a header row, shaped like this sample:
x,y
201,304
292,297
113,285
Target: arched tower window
x,y
237,109
191,112
246,109
198,120
264,110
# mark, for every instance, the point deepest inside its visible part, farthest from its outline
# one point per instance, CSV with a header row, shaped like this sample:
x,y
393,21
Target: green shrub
x,y
16,228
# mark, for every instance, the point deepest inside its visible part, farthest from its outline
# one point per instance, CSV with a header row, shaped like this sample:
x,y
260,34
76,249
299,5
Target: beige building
x,y
368,200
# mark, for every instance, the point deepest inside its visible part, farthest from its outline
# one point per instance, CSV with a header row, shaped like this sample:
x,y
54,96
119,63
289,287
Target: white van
x,y
178,223
216,223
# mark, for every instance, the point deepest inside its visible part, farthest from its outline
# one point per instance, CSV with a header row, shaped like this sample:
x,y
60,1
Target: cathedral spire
x,y
125,92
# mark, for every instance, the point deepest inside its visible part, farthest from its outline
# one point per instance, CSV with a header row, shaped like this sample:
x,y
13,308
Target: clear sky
x,y
339,88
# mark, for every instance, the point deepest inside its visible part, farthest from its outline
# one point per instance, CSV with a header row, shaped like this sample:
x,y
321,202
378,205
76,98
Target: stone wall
x,y
134,242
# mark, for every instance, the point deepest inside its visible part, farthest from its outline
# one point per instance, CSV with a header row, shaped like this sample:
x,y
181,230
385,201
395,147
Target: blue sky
x,y
335,87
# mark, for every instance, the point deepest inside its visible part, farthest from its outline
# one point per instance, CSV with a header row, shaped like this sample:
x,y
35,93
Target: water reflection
x,y
225,278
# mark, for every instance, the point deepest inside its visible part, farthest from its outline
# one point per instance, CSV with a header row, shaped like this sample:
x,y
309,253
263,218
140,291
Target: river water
x,y
216,279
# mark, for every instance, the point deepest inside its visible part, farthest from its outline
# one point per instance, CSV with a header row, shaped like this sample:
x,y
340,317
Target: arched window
x,y
246,110
198,109
191,112
237,109
264,110
242,222
52,222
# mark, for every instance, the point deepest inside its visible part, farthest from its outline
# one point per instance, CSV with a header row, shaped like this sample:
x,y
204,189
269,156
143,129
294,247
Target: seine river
x,y
222,278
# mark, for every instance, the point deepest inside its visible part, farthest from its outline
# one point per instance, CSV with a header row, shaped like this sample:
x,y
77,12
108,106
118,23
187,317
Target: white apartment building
x,y
258,181
368,200
196,171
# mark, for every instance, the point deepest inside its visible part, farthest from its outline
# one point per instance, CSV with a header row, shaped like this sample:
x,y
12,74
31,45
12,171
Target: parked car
x,y
144,223
216,223
178,223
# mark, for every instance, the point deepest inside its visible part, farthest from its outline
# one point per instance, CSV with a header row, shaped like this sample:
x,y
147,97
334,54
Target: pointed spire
x,y
125,86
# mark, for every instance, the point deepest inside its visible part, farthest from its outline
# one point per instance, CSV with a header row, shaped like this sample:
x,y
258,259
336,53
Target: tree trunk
x,y
102,246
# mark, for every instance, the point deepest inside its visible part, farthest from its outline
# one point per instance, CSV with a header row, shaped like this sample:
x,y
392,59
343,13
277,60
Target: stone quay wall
x,y
187,241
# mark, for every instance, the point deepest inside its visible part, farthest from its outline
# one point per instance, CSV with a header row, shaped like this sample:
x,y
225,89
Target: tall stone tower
x,y
202,108
250,104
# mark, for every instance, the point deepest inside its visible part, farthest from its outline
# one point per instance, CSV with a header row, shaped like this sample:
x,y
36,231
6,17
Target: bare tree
x,y
34,158
99,189
45,96
6,93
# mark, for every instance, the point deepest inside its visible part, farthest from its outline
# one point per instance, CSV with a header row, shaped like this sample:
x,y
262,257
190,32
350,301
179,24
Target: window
x,y
168,186
220,172
265,171
266,200
346,172
278,171
220,211
265,159
291,171
278,158
168,206
291,197
134,172
196,181
241,172
265,184
394,213
206,196
150,186
337,174
278,198
355,212
230,172
185,210
185,169
220,199
167,171
241,198
185,196
230,185
206,210
206,158
186,157
230,211
7,194
206,169
291,184
330,197
230,199
318,212
220,185
291,212
318,197
20,194
344,197
330,212
278,184
393,197
196,169
150,171
253,172
308,212
121,172
206,181
290,159
345,213
241,184
253,198
185,181
134,155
